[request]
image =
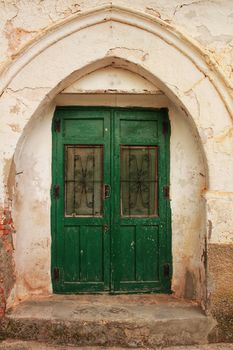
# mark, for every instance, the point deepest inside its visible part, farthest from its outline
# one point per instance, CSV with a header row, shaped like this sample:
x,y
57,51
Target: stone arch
x,y
140,43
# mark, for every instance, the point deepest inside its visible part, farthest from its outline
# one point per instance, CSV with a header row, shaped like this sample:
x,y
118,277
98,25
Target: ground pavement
x,y
25,345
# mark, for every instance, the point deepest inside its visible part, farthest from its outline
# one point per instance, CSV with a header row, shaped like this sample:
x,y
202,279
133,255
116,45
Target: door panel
x,y
91,254
138,253
110,167
81,167
147,253
71,253
140,226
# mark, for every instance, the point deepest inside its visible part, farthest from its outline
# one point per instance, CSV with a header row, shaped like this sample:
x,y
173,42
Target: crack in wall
x,y
27,88
179,7
142,55
186,92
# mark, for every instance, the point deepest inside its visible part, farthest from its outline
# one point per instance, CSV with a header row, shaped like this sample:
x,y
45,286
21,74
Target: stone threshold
x,y
29,345
108,320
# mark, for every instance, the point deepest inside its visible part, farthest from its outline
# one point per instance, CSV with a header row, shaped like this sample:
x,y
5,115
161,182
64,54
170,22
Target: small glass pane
x,y
83,180
139,176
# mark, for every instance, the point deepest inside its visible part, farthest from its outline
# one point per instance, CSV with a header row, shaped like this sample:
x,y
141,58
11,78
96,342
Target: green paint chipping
x,y
114,238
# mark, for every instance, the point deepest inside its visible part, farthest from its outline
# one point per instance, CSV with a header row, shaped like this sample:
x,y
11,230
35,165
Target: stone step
x,y
30,345
127,321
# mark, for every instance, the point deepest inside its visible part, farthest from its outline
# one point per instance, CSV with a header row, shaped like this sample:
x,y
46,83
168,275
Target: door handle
x,y
105,228
107,191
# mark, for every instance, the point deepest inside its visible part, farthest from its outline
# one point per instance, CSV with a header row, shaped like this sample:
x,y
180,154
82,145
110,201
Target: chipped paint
x,y
184,50
6,259
173,29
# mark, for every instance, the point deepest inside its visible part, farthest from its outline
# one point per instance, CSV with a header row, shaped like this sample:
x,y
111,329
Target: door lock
x,y
105,228
107,191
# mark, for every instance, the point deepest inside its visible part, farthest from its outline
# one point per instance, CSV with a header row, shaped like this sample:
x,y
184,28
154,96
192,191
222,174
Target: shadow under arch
x,y
126,64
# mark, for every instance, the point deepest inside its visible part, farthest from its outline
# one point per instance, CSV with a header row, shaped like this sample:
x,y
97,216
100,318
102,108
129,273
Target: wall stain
x,y
189,290
9,172
210,228
221,298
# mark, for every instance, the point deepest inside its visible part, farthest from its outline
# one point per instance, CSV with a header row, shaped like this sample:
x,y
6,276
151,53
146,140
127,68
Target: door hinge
x,y
166,270
56,191
56,273
166,192
57,125
165,128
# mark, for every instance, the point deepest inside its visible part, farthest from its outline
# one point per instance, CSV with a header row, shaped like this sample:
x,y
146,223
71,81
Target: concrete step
x,y
29,345
122,321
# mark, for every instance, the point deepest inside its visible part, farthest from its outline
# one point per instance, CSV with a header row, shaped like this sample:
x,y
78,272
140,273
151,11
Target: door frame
x,y
166,263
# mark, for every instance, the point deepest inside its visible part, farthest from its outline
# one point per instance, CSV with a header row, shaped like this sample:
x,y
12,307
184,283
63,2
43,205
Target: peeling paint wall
x,y
31,207
210,23
184,50
7,276
33,161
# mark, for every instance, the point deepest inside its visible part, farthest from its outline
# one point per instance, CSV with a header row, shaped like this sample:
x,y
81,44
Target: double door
x,y
110,201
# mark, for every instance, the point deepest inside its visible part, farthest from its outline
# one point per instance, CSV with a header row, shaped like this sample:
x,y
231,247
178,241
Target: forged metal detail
x,y
139,180
139,185
83,175
83,180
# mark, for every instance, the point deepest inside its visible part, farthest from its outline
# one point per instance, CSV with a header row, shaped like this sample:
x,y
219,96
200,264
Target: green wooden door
x,y
110,205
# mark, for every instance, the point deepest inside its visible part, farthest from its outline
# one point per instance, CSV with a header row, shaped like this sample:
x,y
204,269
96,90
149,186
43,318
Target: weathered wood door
x,y
110,200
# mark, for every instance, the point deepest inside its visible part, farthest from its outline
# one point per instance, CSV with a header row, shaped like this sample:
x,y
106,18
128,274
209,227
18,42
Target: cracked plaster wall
x,y
32,198
208,22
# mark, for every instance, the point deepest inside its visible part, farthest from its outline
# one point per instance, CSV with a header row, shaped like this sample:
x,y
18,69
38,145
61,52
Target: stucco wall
x,y
32,192
210,23
182,48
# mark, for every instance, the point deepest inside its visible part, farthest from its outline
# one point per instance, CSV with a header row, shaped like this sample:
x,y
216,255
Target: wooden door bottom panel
x,y
73,288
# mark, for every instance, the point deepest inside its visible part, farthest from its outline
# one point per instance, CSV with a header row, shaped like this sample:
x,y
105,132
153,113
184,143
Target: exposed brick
x,y
6,258
2,302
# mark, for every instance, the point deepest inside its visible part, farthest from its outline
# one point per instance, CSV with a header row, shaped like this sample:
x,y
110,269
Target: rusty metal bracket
x,y
56,273
165,128
56,191
166,192
166,270
57,125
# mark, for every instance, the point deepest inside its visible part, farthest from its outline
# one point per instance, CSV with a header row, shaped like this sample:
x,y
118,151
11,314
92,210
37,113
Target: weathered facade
x,y
151,54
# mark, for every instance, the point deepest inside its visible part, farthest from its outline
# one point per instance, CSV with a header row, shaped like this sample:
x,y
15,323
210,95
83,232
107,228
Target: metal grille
x,y
83,180
139,174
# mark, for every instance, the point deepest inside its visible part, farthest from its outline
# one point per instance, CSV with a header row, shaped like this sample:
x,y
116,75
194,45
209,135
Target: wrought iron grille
x,y
139,181
83,180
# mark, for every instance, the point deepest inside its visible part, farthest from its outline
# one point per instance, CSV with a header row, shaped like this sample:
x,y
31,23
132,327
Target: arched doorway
x,y
153,51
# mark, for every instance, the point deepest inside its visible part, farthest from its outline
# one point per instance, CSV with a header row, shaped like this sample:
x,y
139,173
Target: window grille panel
x,y
83,180
139,174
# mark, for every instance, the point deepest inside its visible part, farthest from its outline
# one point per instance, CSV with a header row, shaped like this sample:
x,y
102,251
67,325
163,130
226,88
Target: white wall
x,y
178,67
33,159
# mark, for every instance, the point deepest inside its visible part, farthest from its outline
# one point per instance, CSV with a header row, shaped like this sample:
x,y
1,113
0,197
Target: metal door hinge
x,y
56,273
166,192
56,191
57,125
166,270
165,128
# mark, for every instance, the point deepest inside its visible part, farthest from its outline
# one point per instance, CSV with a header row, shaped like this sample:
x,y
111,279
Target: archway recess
x,y
118,37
